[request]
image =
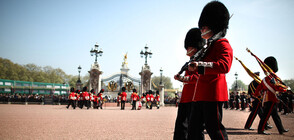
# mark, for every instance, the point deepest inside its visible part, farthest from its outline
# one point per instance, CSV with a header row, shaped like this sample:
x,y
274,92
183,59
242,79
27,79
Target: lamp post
x,y
146,53
160,76
79,70
96,52
236,87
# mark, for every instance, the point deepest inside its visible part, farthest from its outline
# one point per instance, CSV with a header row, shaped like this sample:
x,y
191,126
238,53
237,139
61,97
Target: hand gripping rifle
x,y
201,53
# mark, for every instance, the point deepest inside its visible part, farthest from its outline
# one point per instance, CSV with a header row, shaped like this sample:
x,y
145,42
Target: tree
x,y
289,83
240,84
165,80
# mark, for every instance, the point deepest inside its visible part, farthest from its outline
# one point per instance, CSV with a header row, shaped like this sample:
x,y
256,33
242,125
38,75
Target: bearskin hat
x,y
123,88
272,63
157,92
150,92
72,89
134,90
194,39
85,88
216,16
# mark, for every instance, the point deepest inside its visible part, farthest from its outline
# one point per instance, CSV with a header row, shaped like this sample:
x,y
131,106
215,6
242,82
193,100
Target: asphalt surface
x,y
56,122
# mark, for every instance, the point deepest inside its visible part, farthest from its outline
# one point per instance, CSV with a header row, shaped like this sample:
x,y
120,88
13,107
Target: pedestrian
x,y
237,98
243,101
231,100
193,43
212,66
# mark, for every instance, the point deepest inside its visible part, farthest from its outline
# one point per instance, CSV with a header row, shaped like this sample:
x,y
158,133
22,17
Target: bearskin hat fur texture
x,y
216,16
272,63
194,39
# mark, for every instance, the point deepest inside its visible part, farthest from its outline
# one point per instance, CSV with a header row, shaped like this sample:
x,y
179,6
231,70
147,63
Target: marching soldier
x,y
231,101
215,61
243,101
237,98
157,99
123,96
193,43
147,100
269,88
86,98
72,98
151,98
134,98
100,99
256,107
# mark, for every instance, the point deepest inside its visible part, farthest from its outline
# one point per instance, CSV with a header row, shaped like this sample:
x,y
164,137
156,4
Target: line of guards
x,y
78,99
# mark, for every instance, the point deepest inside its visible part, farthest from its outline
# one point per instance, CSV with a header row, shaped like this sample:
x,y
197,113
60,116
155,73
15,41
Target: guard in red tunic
x,y
268,89
147,100
100,98
212,66
123,96
157,99
151,98
86,98
134,98
72,98
193,43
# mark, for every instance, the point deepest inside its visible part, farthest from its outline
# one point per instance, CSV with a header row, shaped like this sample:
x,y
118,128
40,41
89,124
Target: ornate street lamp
x,y
96,52
146,53
160,76
79,70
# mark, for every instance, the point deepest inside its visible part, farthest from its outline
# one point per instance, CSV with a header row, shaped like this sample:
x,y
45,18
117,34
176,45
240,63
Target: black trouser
x,y
86,103
123,103
72,103
134,105
151,104
182,121
270,109
208,114
256,109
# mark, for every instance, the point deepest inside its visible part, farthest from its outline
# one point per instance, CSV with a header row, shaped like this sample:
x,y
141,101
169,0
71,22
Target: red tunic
x,y
157,98
86,95
123,96
269,90
211,84
147,98
100,96
95,98
134,96
151,97
189,87
72,96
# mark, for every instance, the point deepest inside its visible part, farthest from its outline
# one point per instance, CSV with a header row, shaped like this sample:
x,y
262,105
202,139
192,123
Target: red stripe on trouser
x,y
219,121
250,123
267,117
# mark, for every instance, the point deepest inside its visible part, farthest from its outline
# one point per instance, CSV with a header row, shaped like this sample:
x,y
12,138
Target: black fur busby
x,y
157,92
85,89
216,16
101,91
150,92
72,89
272,63
123,89
134,90
194,39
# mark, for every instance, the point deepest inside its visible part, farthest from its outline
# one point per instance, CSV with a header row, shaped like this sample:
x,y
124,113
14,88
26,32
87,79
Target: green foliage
x,y
165,80
240,84
290,83
32,73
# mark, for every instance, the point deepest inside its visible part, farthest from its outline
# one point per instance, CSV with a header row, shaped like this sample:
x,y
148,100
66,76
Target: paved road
x,y
56,122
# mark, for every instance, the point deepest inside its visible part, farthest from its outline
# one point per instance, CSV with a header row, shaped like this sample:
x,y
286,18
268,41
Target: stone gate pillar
x,y
161,94
95,78
145,78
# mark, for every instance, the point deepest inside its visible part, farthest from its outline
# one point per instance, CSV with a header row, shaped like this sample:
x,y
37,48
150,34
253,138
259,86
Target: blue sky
x,y
60,33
